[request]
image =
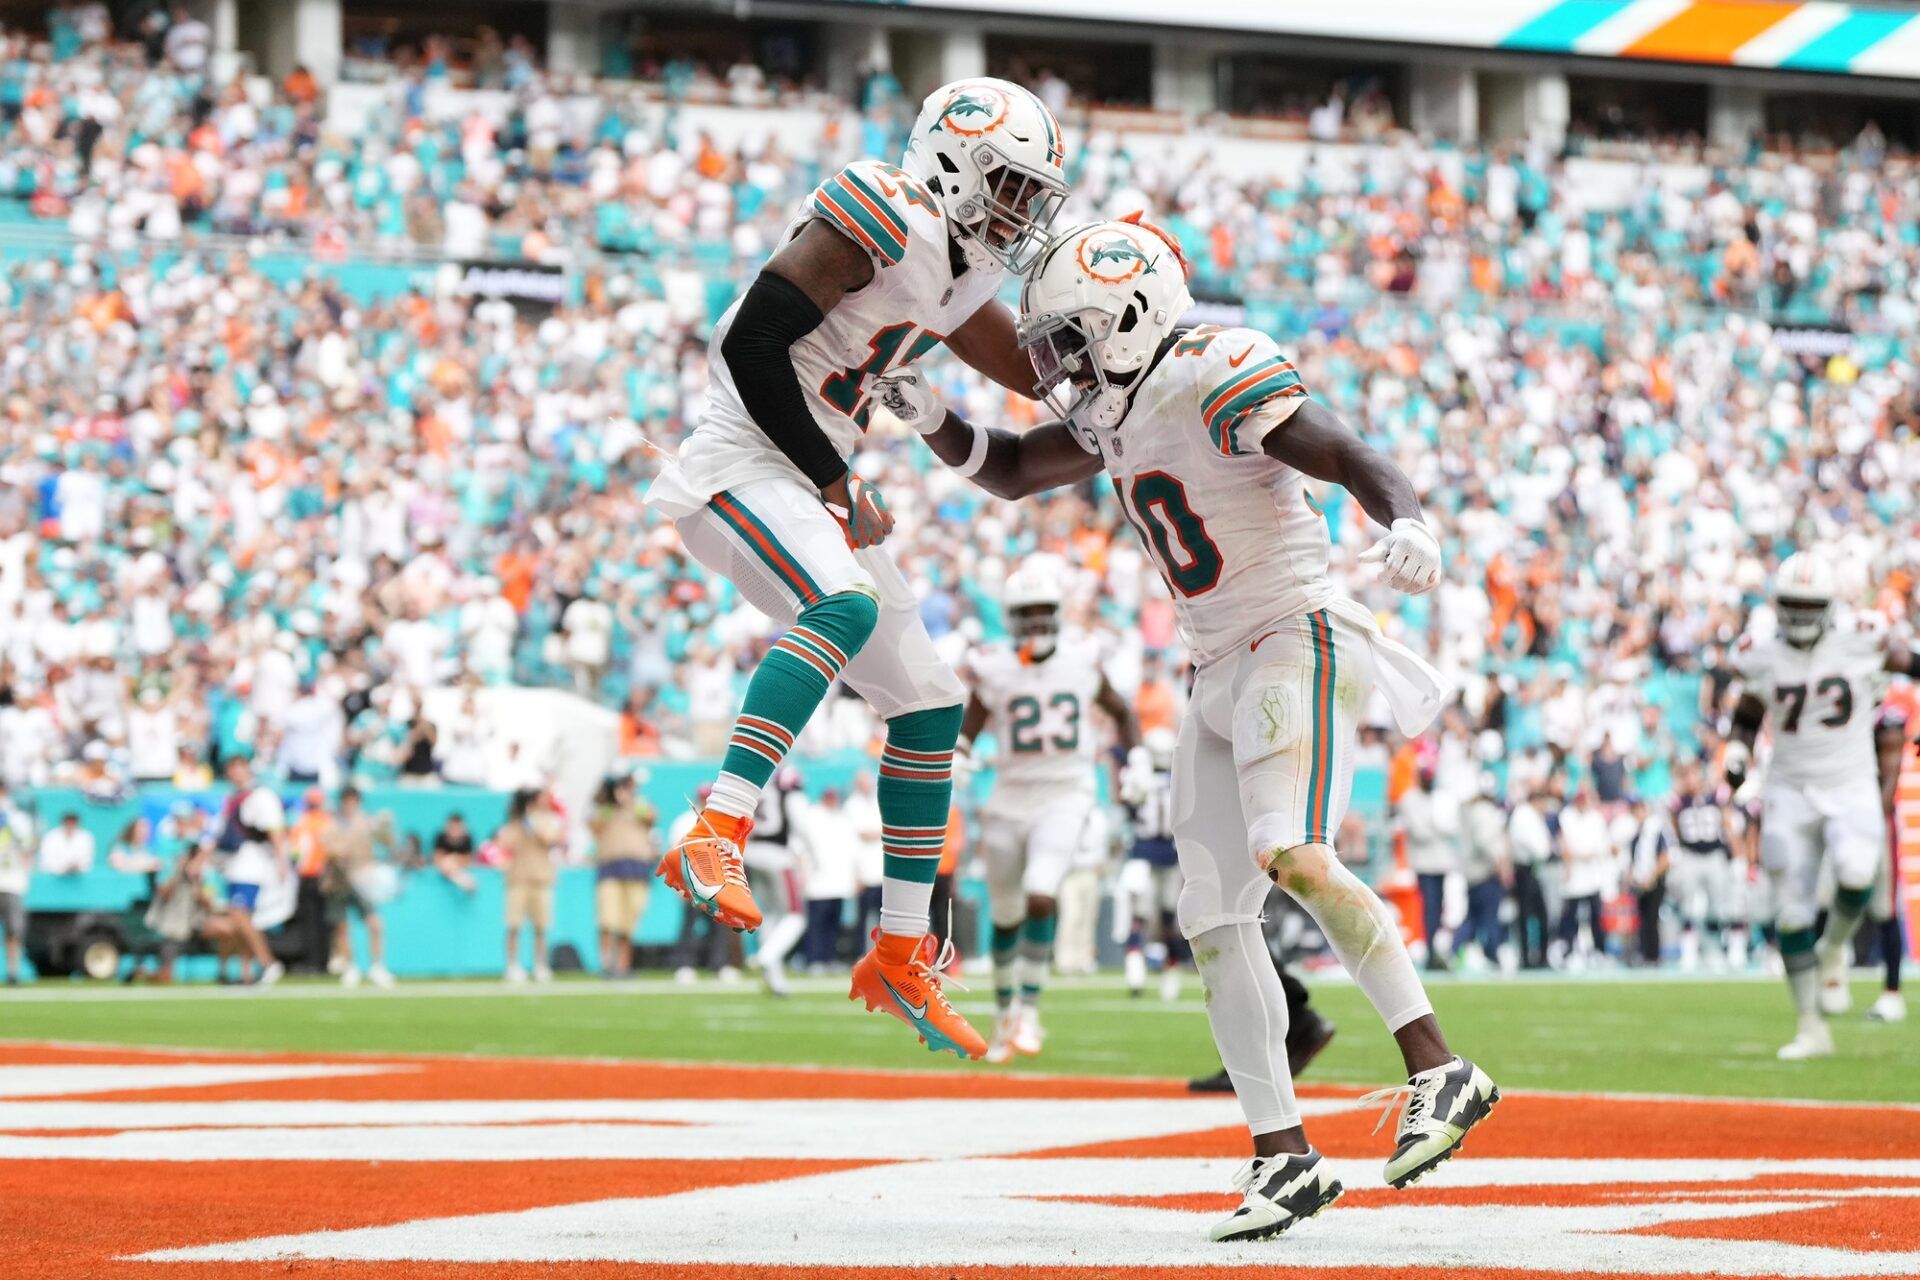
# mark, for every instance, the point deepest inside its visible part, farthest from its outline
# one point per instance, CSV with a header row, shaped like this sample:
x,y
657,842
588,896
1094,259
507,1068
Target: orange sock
x,y
724,825
898,948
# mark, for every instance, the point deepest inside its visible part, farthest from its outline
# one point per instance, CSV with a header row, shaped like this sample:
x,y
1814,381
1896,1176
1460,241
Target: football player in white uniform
x,y
1035,694
1816,682
1704,880
882,265
1209,437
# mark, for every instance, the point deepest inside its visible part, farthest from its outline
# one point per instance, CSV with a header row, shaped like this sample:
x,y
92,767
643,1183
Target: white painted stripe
x,y
1791,34
1004,1213
59,1079
1897,55
685,1129
1628,25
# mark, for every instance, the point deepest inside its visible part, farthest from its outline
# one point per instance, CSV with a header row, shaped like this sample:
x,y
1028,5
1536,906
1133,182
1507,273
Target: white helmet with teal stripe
x,y
1101,300
992,154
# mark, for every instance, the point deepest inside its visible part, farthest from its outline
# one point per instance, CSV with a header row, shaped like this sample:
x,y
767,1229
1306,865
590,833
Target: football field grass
x,y
1711,1038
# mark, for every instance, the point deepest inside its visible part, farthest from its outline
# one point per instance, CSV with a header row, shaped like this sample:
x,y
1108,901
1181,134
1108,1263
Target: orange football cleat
x,y
706,870
901,976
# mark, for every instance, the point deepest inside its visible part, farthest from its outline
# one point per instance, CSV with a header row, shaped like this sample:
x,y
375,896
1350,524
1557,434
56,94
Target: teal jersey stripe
x,y
886,214
838,202
1558,28
1224,392
1836,48
767,547
1278,383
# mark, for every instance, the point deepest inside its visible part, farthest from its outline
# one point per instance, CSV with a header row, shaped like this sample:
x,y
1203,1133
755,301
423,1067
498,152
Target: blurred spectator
x,y
833,841
862,811
307,846
1651,856
1530,845
528,841
132,850
251,837
1586,856
16,874
1429,823
453,851
355,883
624,857
68,849
1487,867
419,759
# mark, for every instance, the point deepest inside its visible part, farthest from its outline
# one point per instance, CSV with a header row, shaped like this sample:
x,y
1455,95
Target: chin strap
x,y
1103,409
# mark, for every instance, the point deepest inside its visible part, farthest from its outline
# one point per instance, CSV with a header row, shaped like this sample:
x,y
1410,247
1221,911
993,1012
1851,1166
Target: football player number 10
x,y
1156,504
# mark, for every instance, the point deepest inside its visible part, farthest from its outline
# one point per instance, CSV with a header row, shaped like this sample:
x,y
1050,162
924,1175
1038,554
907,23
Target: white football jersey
x,y
913,301
1041,713
1820,701
1234,532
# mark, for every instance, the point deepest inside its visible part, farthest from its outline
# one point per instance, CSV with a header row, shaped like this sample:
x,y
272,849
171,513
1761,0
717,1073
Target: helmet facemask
x,y
1802,621
1037,628
1010,217
1067,375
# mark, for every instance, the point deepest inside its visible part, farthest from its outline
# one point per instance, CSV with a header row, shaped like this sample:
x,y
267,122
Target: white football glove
x,y
906,395
1409,556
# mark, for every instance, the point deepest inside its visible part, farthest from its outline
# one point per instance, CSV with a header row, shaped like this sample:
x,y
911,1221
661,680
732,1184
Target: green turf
x,y
1684,1037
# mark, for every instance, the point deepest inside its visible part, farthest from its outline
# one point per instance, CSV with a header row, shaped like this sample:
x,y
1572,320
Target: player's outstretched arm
x,y
1312,440
1006,464
1748,714
986,342
787,301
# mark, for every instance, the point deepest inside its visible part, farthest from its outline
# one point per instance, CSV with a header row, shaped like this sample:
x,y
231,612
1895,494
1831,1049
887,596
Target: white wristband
x,y
976,456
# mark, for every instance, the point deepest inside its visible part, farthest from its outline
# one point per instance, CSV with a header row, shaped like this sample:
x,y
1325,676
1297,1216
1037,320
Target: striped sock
x,y
786,688
1006,946
1036,956
916,786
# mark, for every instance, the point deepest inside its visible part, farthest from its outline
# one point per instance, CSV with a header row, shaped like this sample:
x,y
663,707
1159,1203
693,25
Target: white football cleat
x,y
350,977
1836,997
515,975
1027,1034
1135,967
774,974
1279,1191
379,976
1000,1051
1442,1103
542,973
271,974
1815,1040
1890,1007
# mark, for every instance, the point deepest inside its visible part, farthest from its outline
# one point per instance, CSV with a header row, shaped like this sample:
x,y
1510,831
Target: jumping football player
x,y
1818,681
881,266
1208,434
1035,694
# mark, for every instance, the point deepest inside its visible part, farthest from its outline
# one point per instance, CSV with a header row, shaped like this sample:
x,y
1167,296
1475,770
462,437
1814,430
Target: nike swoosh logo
x,y
1255,646
1235,360
890,192
919,1011
700,888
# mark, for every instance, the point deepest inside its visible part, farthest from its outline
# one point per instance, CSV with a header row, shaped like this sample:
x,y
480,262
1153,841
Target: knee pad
x,y
847,618
934,729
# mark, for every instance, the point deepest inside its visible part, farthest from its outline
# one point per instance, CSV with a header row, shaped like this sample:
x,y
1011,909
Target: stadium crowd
x,y
246,513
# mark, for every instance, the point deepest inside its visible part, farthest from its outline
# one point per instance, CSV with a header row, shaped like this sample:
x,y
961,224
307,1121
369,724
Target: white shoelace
x,y
1419,1100
733,866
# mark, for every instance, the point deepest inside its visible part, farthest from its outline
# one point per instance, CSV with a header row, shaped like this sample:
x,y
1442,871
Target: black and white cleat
x,y
1441,1105
1279,1191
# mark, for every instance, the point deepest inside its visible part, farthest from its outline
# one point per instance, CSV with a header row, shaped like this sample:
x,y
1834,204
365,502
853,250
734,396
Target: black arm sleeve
x,y
758,349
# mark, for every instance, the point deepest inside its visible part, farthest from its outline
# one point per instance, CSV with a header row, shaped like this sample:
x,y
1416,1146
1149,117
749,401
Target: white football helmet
x,y
1101,300
993,157
1032,599
1803,592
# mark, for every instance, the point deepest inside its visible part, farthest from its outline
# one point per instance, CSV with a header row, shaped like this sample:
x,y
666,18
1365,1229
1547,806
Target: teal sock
x,y
1843,920
1006,946
916,788
1802,965
786,688
1036,955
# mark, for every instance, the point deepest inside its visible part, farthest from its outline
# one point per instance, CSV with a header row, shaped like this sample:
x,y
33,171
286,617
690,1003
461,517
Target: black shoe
x,y
1305,1040
1219,1082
